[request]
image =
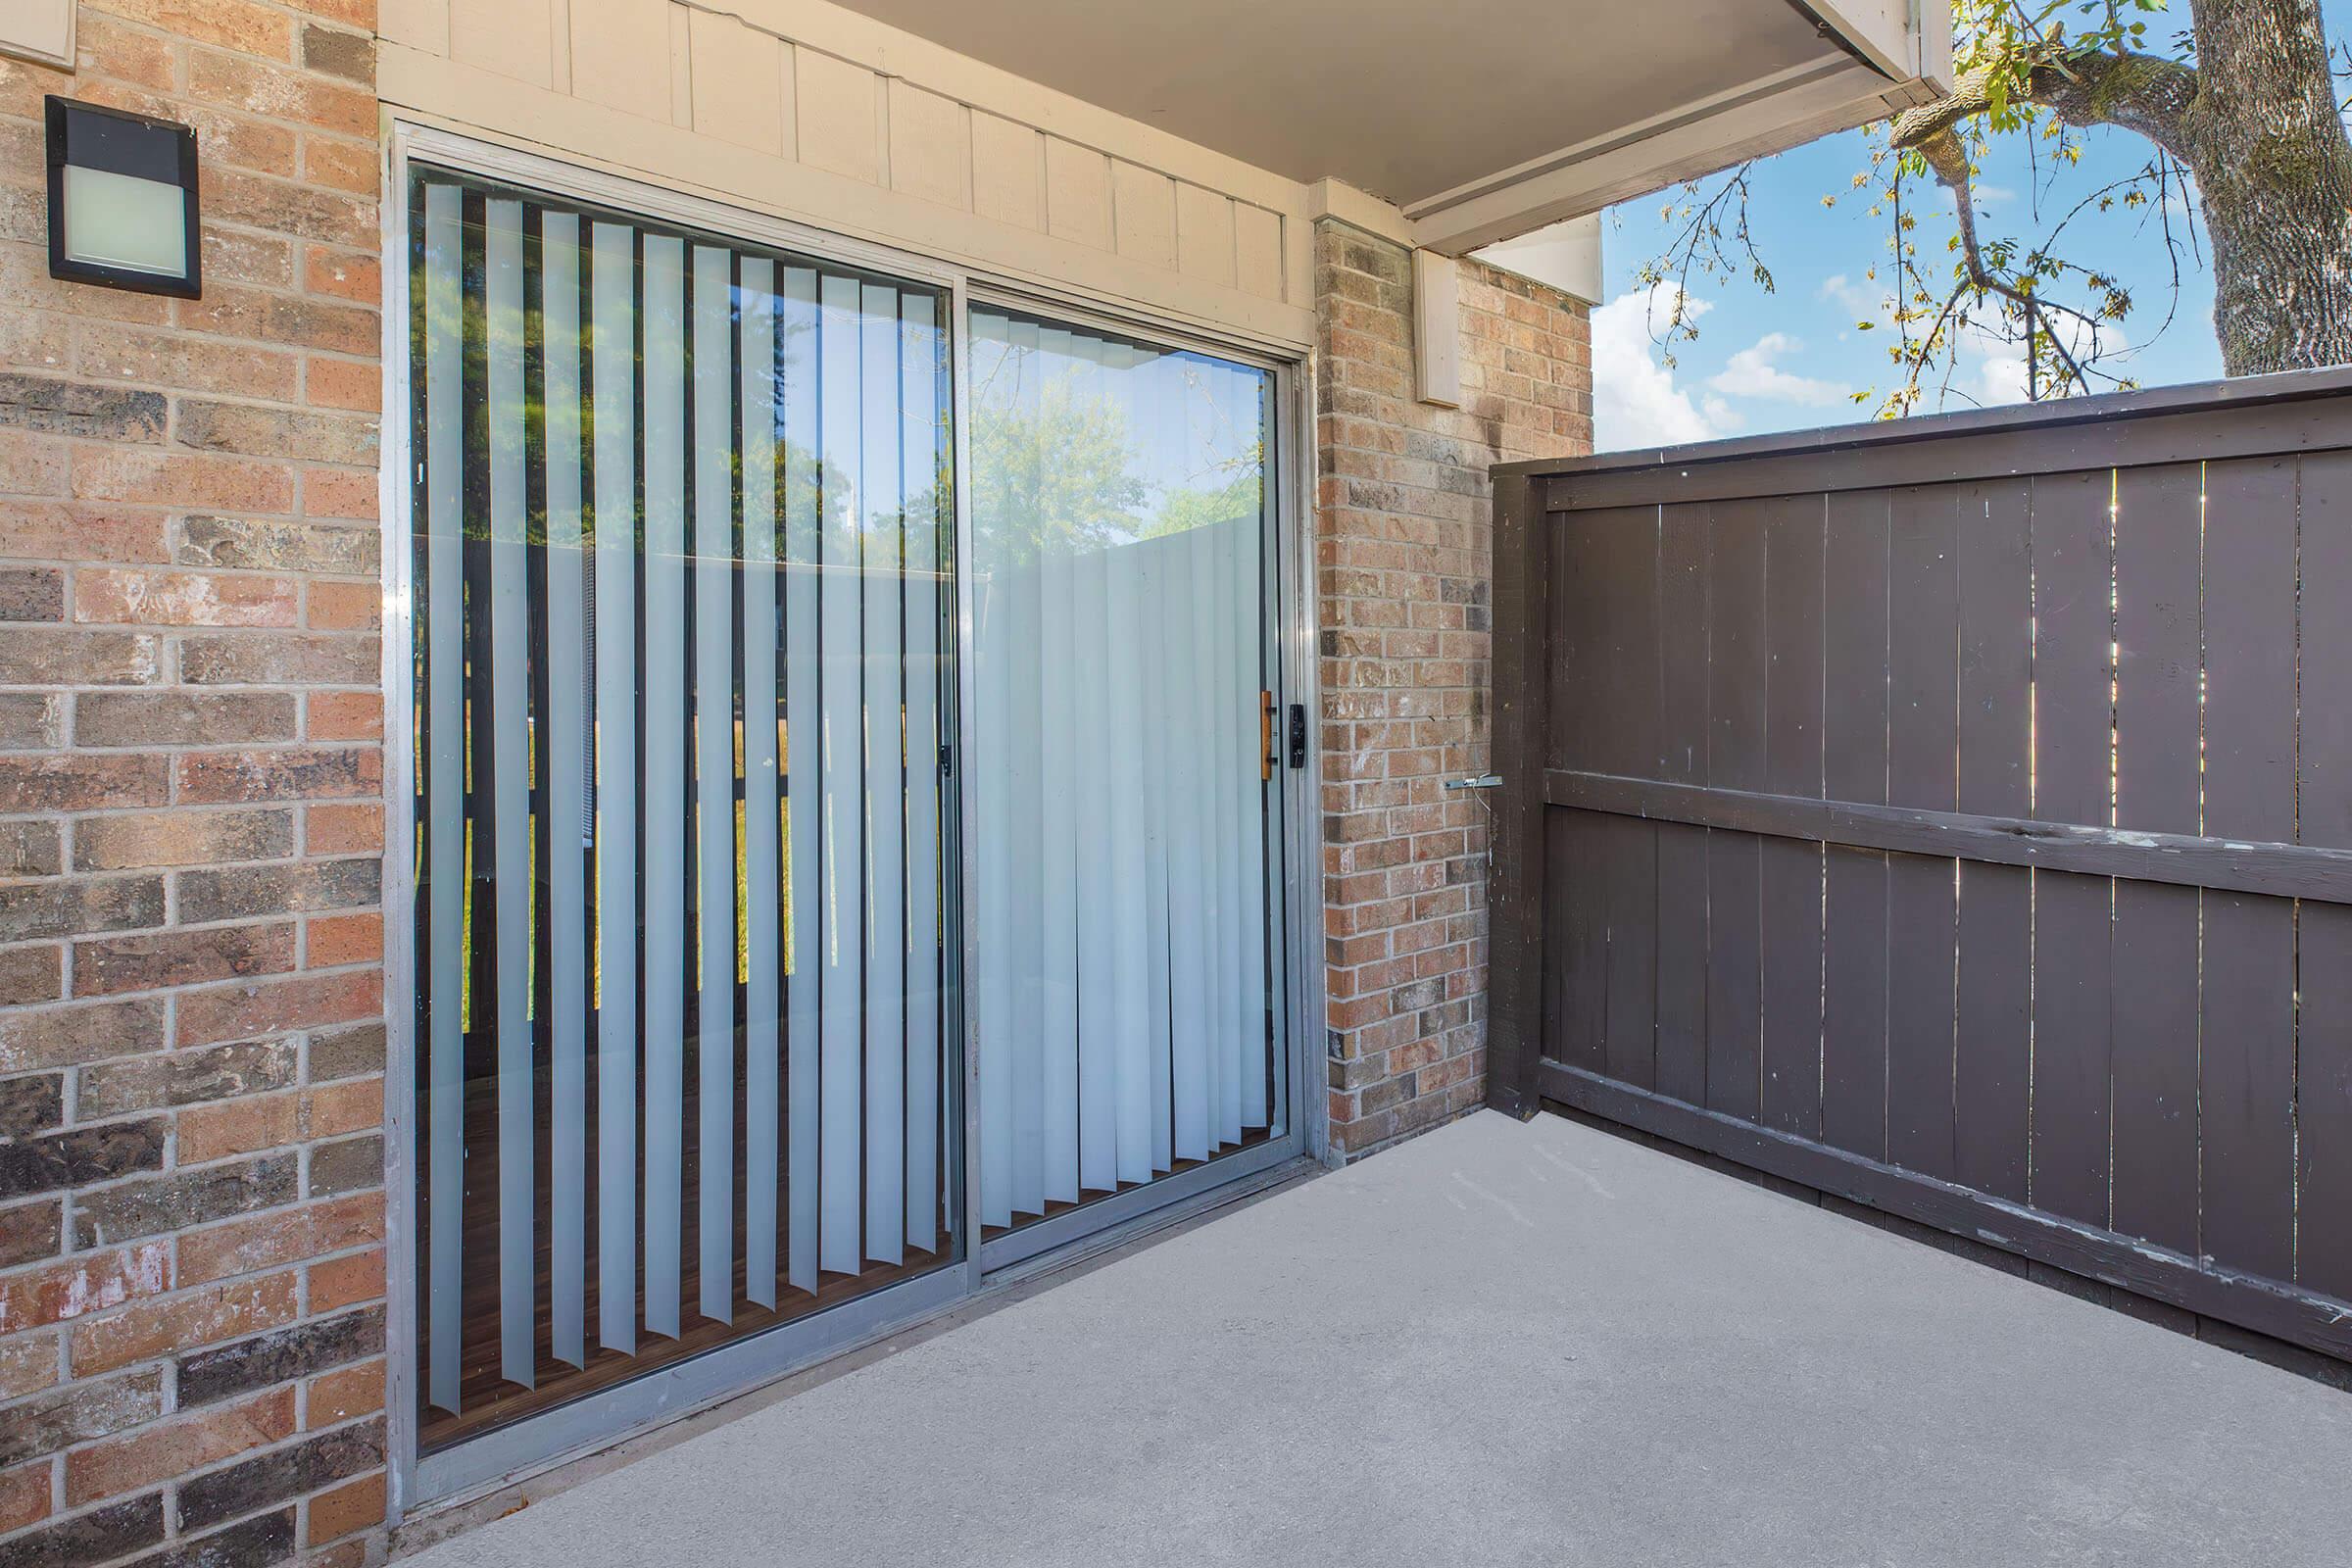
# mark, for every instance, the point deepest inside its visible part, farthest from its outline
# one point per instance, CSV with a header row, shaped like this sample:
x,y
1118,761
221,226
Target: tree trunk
x,y
2273,173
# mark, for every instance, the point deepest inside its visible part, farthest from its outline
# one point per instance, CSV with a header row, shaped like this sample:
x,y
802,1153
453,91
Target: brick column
x,y
1404,560
191,1046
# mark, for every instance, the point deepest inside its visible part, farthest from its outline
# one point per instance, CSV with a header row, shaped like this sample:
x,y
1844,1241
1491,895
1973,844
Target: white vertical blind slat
x,y
1191,982
511,780
665,751
1228,707
567,788
445,780
613,308
762,827
805,763
881,540
715,772
919,479
1100,1022
1127,928
842,898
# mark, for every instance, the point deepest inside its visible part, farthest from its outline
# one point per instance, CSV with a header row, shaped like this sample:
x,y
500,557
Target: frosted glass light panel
x,y
1122,971
681,534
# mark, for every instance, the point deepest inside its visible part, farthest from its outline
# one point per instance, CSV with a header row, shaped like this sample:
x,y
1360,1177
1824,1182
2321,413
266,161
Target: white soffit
x,y
1479,118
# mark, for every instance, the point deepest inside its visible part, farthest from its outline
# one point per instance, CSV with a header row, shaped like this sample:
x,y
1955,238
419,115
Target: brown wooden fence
x,y
1956,816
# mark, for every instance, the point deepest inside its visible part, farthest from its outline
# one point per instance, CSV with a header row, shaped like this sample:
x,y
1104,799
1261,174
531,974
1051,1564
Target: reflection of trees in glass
x,y
1057,468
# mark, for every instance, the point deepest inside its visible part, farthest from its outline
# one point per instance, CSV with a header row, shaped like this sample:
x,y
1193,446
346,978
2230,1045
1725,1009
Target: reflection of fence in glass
x,y
668,486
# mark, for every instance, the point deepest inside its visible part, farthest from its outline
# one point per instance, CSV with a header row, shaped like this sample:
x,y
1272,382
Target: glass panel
x,y
1123,973
682,540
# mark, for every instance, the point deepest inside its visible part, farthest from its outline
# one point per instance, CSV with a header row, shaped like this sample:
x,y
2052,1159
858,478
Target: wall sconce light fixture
x,y
123,200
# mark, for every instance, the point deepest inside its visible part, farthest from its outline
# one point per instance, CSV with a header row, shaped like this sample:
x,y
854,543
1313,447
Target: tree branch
x,y
2144,93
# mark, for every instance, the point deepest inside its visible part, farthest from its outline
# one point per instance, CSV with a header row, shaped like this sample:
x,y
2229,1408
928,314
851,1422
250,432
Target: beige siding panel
x,y
1008,166
1077,193
621,55
738,82
418,24
1257,250
508,36
839,125
1203,235
1144,204
930,145
1003,231
681,68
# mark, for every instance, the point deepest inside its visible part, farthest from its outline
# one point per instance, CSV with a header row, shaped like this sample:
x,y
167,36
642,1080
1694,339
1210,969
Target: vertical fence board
x,y
1922,742
1736,696
1788,894
2324,1059
2248,1012
1682,849
1577,935
1629,745
1994,1008
1854,1086
2159,513
2073,950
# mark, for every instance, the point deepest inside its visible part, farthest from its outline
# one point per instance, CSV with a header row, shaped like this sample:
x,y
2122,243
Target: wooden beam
x,y
2316,1322
1522,721
2275,870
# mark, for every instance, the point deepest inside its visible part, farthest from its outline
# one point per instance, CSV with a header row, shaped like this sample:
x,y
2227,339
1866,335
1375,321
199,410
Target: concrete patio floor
x,y
1503,1343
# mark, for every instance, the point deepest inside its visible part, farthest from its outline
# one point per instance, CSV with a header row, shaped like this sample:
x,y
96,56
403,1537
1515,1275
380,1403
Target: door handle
x,y
1298,735
1265,736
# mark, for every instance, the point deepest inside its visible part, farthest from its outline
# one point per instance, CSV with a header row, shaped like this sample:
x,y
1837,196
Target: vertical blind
x,y
682,533
1120,961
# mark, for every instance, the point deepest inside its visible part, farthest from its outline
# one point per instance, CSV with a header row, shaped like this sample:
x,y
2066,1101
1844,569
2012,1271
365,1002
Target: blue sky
x,y
1790,359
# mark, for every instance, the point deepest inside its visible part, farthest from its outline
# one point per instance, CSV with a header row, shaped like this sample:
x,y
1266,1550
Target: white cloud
x,y
1865,298
1751,374
1636,403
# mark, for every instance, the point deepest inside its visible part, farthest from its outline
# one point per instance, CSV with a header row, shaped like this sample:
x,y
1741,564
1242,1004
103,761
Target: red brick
x,y
352,1505
344,830
334,941
184,1321
347,1280
343,384
183,598
238,1127
277,1006
286,773
281,1237
156,1454
354,1106
24,1496
182,479
346,606
87,1282
344,1394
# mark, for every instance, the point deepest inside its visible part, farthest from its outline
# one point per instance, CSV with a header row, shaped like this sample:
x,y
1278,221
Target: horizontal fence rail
x,y
1957,817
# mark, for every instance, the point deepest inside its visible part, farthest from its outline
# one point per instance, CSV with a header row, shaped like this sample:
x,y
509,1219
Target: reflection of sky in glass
x,y
1094,441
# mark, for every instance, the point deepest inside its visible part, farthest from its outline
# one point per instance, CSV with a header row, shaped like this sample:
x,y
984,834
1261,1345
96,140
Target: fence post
x,y
1520,720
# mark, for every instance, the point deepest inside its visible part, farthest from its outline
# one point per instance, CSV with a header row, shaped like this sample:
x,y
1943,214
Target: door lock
x,y
1298,735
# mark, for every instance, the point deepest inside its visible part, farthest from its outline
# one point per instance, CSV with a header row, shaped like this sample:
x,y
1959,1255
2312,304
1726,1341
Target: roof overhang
x,y
1472,121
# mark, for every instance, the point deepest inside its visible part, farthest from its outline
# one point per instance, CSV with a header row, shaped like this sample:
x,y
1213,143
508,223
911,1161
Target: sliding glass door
x,y
682,530
1124,961
729,873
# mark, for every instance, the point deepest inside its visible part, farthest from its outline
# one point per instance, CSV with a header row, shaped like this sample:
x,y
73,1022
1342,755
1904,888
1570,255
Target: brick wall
x,y
1405,557
191,1053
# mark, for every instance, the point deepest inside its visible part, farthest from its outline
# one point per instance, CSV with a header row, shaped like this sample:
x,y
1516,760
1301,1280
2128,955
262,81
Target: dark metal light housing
x,y
123,200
